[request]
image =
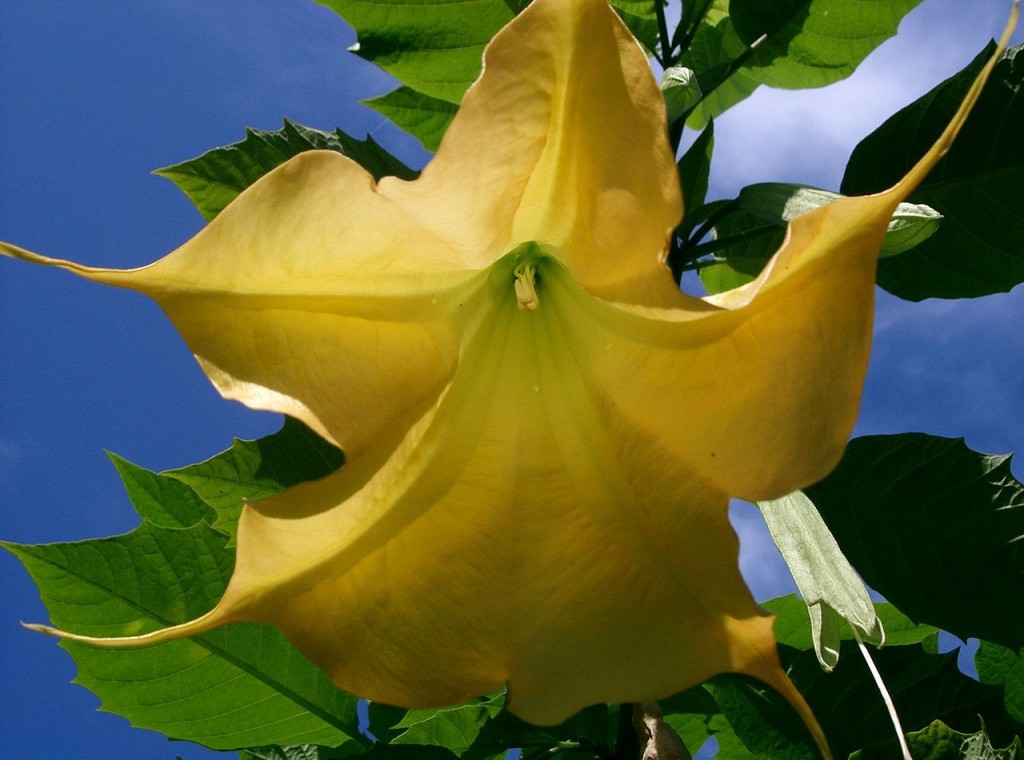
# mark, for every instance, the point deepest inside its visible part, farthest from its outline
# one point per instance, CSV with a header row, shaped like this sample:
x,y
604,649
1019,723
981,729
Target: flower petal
x,y
314,296
562,141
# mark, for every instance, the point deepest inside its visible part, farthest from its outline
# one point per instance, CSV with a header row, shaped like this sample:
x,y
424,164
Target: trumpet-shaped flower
x,y
542,432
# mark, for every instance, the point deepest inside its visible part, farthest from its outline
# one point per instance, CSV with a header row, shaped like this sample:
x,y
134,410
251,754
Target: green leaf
x,y
215,178
829,585
793,626
641,19
806,43
978,248
161,500
935,528
940,742
242,685
742,244
432,46
455,728
1004,667
420,115
690,714
251,470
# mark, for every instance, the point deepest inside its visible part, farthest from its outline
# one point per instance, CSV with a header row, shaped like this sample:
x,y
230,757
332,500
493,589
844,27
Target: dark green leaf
x,y
749,720
924,687
422,116
1004,667
381,751
757,723
159,499
589,734
935,528
251,470
239,686
215,178
805,44
978,248
695,168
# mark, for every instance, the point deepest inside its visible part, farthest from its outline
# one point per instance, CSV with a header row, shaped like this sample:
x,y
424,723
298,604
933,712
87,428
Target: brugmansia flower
x,y
542,432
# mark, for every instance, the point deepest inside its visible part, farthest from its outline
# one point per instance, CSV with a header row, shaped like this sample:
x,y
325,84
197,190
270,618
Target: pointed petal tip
x,y
96,274
159,636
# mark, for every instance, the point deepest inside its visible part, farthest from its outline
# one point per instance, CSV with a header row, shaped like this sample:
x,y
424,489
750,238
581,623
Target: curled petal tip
x,y
914,177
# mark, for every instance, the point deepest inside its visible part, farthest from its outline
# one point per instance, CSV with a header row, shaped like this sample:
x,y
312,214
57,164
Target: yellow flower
x,y
542,432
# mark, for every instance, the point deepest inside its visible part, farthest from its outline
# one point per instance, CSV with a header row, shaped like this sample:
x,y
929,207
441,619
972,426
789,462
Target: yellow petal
x,y
308,283
580,161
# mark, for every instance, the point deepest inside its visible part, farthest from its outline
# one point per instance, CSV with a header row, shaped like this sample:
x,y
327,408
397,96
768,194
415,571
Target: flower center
x,y
526,259
526,285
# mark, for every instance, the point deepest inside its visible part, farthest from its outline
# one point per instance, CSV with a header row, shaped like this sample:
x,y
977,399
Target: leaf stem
x,y
712,221
885,695
683,43
702,249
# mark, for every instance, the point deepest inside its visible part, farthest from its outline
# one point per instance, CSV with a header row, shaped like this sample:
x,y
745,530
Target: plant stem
x,y
665,59
735,65
690,250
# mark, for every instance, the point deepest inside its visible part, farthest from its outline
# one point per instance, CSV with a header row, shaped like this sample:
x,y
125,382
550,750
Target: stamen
x,y
526,290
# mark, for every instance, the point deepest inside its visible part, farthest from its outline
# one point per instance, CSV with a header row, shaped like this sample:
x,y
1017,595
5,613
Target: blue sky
x,y
96,95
